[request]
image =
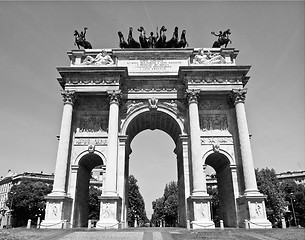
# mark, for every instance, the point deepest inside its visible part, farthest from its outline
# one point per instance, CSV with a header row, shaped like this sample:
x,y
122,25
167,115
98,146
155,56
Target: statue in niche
x,y
101,59
80,39
223,38
208,58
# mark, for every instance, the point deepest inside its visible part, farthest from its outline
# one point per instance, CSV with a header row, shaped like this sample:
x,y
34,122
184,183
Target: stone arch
x,y
223,164
86,152
125,124
85,162
167,121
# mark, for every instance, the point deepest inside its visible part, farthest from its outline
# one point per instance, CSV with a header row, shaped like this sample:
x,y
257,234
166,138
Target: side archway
x,y
223,165
84,164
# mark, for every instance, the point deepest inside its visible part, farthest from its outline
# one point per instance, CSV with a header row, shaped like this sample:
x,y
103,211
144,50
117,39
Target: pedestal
x,y
200,209
252,209
109,212
58,210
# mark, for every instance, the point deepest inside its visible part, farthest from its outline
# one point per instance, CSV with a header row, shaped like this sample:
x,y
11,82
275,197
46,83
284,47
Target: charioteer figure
x,y
223,38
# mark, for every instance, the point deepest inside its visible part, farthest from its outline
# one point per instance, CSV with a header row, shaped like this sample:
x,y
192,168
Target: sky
x,y
34,39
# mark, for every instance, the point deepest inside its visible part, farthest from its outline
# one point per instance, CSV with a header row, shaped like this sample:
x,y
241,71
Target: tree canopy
x,y
136,205
269,185
27,201
166,207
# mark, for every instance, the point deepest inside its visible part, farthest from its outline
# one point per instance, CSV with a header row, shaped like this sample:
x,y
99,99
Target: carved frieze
x,y
90,141
93,123
213,122
151,90
213,104
94,80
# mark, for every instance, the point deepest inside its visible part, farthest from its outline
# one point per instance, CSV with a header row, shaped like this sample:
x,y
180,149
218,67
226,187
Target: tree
x,y
294,194
269,185
94,203
166,207
27,201
136,205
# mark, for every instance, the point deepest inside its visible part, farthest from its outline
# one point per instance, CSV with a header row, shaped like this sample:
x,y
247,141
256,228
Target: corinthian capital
x,y
69,97
239,95
192,95
115,96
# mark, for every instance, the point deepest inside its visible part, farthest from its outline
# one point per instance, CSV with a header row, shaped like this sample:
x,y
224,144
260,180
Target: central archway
x,y
163,120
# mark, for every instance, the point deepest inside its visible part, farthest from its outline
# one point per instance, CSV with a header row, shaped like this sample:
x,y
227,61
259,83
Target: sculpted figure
x,y
208,58
100,59
80,39
223,38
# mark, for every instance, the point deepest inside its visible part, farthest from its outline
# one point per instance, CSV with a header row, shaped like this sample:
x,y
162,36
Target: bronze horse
x,y
182,43
142,38
223,39
161,42
131,43
80,40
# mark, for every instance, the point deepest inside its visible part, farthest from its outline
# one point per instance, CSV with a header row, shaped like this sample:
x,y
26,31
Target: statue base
x,y
58,212
252,212
110,212
200,209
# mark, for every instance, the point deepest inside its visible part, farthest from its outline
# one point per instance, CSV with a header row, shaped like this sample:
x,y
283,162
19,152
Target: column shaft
x,y
111,168
199,188
245,146
63,146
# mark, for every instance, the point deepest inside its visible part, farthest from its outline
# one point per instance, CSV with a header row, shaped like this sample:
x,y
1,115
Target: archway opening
x,y
89,165
156,157
227,207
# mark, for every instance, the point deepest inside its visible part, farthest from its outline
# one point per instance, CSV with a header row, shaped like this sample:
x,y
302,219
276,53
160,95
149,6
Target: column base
x,y
58,212
200,211
252,211
110,212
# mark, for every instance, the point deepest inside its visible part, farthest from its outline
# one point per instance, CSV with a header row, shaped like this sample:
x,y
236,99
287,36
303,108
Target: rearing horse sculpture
x,y
172,43
182,43
80,39
131,42
161,42
142,38
223,39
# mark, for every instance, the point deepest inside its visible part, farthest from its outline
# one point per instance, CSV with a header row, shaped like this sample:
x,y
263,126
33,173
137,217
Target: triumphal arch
x,y
195,95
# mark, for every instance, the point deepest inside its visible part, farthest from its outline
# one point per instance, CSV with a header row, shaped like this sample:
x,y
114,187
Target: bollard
x,y
246,224
28,226
188,224
89,224
65,224
283,223
221,224
38,222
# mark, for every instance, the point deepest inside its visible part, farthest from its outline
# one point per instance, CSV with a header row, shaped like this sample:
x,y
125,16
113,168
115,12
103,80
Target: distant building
x,y
297,176
12,179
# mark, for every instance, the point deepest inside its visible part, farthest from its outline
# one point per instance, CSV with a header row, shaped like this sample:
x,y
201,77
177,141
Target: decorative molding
x,y
95,80
69,97
213,80
115,96
192,95
132,105
238,95
153,103
151,90
90,141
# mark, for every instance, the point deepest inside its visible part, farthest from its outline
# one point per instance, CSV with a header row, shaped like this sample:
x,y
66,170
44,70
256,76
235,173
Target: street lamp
x,y
295,220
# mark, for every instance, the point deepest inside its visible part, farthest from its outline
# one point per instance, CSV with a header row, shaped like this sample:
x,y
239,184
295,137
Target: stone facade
x,y
200,105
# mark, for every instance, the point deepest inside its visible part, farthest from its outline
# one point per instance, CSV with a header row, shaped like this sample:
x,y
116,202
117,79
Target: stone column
x,y
59,187
111,168
199,188
239,96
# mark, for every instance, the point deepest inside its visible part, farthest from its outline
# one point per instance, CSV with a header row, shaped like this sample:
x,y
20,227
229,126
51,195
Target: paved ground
x,y
152,234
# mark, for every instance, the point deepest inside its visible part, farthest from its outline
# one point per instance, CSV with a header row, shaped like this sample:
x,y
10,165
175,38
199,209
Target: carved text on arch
x,y
213,122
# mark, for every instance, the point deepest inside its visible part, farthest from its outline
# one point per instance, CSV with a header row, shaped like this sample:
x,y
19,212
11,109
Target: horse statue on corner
x,y
223,38
80,39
